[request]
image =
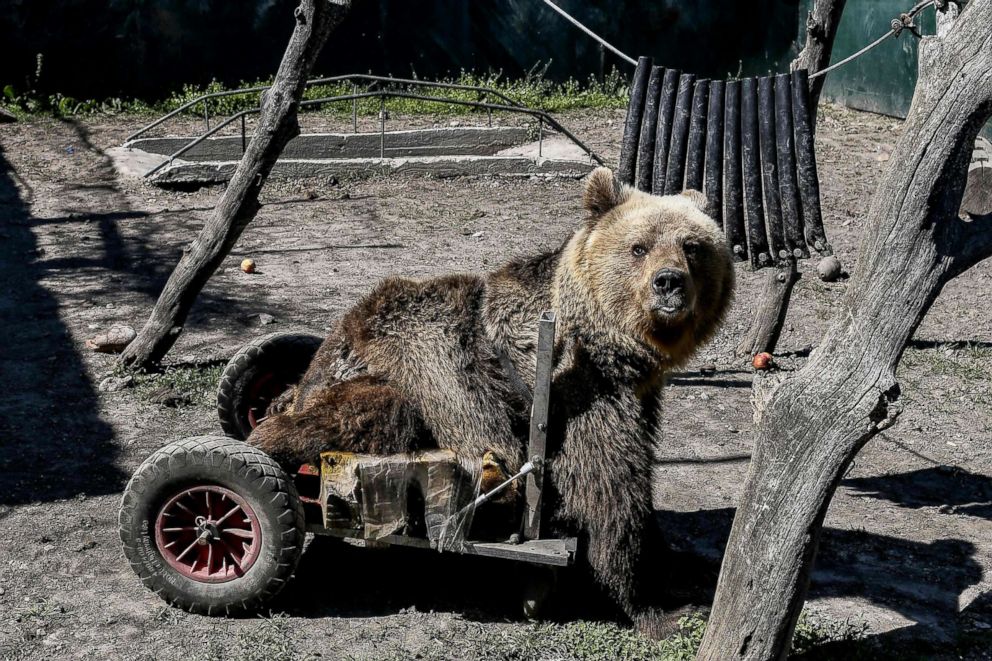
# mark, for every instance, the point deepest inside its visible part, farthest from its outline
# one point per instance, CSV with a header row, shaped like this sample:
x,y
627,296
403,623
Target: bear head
x,y
657,268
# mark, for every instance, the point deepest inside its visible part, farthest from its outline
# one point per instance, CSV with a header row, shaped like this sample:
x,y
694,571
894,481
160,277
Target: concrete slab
x,y
207,172
481,140
134,163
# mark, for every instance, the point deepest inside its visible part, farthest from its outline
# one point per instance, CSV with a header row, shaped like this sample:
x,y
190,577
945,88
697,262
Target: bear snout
x,y
670,287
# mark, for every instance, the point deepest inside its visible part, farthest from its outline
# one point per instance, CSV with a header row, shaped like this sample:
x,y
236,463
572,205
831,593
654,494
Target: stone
x,y
116,383
113,341
265,319
829,268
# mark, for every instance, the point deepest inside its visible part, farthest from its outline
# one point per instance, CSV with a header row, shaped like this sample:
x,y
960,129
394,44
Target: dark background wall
x,y
146,48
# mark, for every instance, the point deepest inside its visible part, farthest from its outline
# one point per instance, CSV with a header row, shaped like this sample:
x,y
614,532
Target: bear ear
x,y
603,192
697,198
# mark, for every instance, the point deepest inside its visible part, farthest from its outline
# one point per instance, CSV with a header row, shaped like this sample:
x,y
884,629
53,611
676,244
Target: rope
x,y
905,21
603,42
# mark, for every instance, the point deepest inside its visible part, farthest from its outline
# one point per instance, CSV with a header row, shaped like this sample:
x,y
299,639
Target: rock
x,y
829,268
265,319
113,341
116,383
7,117
707,369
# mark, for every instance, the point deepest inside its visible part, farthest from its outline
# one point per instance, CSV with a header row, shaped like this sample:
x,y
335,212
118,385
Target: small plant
x,y
180,385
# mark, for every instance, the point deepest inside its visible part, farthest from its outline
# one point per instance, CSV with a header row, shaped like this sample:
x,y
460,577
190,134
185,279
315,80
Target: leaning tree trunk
x,y
773,305
810,425
277,125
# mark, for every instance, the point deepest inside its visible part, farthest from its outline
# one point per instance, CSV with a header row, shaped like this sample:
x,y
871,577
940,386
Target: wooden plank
x,y
757,240
695,156
649,130
675,173
713,171
666,109
809,182
733,187
632,125
769,169
537,451
792,212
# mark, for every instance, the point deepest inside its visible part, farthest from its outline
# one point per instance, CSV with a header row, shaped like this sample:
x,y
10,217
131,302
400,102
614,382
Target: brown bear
x,y
423,364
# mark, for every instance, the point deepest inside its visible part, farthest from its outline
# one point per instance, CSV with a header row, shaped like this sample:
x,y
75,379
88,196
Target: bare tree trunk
x,y
773,306
277,125
810,426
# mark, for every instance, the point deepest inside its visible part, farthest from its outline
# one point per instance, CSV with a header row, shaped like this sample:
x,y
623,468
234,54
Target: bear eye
x,y
638,250
690,248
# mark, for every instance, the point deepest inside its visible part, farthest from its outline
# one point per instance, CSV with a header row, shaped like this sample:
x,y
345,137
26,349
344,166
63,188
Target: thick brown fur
x,y
417,364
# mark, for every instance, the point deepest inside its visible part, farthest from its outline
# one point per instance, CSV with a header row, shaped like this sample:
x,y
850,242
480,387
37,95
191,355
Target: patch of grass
x,y
533,90
179,385
271,639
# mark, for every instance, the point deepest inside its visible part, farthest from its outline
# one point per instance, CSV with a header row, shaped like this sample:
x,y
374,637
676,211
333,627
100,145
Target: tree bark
x,y
810,426
773,305
277,125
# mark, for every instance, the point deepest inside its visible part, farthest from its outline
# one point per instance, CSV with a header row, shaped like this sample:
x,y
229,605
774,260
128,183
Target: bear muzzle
x,y
671,298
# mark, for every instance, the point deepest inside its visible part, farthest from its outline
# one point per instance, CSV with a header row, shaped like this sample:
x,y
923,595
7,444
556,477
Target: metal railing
x,y
541,116
205,98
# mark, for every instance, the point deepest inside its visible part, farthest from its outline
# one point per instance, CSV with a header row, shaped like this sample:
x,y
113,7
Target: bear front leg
x,y
364,414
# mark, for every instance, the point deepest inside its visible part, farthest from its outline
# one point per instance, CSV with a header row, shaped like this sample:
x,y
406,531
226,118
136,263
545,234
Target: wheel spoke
x,y
187,550
224,518
238,532
179,529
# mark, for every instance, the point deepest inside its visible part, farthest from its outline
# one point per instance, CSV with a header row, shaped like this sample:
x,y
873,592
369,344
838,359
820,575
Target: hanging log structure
x,y
748,144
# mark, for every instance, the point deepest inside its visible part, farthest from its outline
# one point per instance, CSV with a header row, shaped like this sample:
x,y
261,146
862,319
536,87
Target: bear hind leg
x,y
365,415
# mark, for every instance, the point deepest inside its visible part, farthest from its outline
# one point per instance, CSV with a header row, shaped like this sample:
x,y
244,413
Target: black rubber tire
x,y
251,474
285,355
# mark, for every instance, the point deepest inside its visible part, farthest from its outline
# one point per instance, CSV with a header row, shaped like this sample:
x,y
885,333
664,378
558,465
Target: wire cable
x,y
616,51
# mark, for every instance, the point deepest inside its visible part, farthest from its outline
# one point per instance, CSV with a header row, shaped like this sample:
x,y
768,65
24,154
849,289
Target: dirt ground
x,y
908,541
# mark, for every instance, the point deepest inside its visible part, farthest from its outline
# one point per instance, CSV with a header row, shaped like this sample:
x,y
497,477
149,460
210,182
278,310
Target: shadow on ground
x,y
53,443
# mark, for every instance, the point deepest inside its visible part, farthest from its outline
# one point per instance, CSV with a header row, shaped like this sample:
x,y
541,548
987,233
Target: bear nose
x,y
668,281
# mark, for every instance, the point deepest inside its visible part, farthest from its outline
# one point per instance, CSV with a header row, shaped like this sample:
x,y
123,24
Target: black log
x,y
809,182
751,164
632,125
769,168
645,146
666,108
675,174
696,149
732,183
792,211
713,174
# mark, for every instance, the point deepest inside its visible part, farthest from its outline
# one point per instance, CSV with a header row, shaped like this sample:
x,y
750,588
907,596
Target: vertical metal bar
x,y
809,182
382,126
537,449
757,239
244,139
490,110
540,137
732,183
649,127
675,173
769,169
666,108
354,108
713,173
632,125
695,150
792,212
206,113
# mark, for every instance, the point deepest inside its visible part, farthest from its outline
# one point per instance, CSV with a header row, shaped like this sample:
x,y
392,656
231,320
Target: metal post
x,y
540,136
206,113
537,447
490,117
244,144
354,108
382,126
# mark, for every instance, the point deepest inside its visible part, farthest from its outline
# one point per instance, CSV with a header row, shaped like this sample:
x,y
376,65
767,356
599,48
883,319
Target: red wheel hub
x,y
261,393
208,534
